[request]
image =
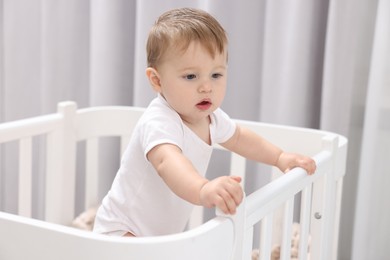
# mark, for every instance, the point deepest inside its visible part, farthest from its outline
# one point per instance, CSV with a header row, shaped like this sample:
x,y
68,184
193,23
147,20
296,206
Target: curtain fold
x,y
294,39
318,64
64,47
371,229
20,61
350,31
112,52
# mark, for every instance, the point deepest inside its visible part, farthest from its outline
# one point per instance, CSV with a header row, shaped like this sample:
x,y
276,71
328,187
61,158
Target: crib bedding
x,y
223,237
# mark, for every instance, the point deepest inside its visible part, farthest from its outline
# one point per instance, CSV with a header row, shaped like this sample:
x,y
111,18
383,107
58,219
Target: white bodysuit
x,y
139,200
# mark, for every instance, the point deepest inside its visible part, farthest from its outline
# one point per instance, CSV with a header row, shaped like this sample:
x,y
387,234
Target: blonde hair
x,y
177,28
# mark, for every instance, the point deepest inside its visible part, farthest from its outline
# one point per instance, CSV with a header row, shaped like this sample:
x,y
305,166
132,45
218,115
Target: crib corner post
x,y
324,209
60,170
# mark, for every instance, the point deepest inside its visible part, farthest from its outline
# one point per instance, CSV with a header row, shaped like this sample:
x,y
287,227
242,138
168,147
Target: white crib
x,y
223,237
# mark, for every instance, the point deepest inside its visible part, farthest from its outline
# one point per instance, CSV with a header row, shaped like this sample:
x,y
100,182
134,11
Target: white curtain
x,y
371,229
319,64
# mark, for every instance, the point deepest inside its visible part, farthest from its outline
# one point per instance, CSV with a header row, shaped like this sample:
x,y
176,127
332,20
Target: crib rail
x,y
319,212
33,239
23,132
320,194
62,131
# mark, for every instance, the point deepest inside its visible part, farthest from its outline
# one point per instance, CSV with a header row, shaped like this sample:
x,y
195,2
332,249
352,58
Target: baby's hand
x,y
287,161
224,192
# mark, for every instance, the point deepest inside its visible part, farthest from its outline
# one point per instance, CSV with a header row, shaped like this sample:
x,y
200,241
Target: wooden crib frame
x,y
223,237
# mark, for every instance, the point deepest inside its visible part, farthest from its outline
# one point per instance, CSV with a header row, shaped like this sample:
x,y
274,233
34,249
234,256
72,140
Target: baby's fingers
x,y
224,192
309,165
234,194
227,204
236,178
235,189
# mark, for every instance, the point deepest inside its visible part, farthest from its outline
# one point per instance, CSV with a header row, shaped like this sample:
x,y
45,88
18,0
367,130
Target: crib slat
x,y
248,243
125,139
237,166
91,172
25,177
287,229
266,236
305,222
336,226
316,225
330,204
196,218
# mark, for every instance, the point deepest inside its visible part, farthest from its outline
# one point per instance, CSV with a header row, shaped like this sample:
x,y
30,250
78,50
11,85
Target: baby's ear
x,y
154,79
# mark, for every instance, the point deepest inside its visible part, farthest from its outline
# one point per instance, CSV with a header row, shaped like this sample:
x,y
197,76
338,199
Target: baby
x,y
162,172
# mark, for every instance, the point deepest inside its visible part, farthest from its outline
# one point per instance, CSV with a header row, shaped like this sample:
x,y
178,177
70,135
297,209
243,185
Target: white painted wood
x,y
25,177
46,241
305,222
247,244
16,130
285,253
238,221
316,224
125,139
238,167
106,121
266,236
91,173
60,169
336,224
224,237
330,143
196,218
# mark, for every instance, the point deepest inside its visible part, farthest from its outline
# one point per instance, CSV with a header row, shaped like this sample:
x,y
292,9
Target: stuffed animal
x,y
85,220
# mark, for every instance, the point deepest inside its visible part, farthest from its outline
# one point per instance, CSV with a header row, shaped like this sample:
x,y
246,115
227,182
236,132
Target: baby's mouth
x,y
204,104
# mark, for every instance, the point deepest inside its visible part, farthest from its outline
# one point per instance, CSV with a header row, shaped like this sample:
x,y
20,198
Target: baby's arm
x,y
183,179
252,146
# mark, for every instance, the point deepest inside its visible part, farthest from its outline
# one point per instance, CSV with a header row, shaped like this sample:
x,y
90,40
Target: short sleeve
x,y
222,126
160,129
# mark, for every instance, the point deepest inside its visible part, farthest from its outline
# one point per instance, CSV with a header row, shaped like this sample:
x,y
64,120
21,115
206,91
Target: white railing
x,y
320,194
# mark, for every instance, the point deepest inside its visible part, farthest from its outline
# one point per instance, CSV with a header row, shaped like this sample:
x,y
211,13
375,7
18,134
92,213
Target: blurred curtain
x,y
371,229
318,64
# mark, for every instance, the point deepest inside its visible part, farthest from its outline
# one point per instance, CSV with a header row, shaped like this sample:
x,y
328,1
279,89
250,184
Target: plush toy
x,y
85,220
275,252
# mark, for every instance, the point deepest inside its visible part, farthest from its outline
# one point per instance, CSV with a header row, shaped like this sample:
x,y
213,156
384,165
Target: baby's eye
x,y
216,75
190,76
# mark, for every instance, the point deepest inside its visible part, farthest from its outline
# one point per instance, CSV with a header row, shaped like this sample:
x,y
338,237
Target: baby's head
x,y
177,28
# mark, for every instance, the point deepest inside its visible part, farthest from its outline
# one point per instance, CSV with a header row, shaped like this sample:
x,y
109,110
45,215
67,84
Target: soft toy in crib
x,y
275,253
85,220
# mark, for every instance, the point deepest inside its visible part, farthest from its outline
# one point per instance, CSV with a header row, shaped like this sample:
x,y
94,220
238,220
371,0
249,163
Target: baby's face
x,y
193,82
